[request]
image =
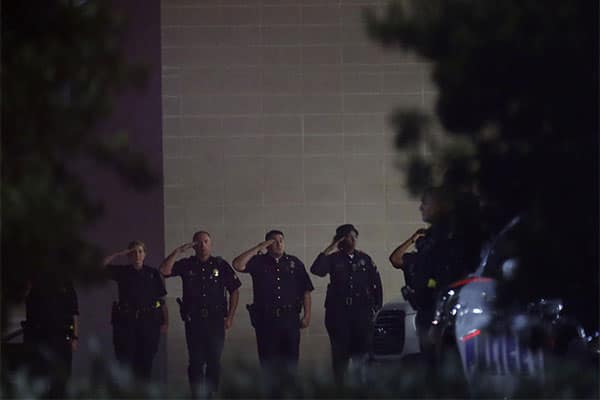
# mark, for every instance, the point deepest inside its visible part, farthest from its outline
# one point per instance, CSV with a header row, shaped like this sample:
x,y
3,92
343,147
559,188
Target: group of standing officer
x,y
281,297
281,306
281,303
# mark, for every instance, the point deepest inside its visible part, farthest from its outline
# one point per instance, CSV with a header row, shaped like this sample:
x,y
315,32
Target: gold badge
x,y
215,272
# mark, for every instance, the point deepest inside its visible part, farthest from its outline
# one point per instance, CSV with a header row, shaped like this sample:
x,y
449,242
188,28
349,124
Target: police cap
x,y
343,230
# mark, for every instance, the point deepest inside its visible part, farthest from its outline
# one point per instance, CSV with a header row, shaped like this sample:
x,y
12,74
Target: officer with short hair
x,y
50,331
281,288
140,314
206,280
441,258
353,295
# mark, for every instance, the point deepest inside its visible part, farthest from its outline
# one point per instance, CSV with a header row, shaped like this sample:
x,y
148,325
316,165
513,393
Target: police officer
x,y
353,294
439,260
281,288
141,314
204,308
51,330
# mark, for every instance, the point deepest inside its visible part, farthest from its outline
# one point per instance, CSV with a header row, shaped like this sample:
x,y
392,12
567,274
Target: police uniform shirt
x,y
278,283
438,260
137,288
51,305
204,283
354,279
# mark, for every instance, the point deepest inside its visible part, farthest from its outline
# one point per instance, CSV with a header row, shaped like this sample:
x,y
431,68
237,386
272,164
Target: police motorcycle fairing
x,y
498,351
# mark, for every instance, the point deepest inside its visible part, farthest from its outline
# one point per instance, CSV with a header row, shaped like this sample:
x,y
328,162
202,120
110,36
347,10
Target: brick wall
x,y
275,115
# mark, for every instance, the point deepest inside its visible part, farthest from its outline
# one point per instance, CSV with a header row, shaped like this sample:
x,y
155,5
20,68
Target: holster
x,y
123,313
253,314
184,312
115,316
409,295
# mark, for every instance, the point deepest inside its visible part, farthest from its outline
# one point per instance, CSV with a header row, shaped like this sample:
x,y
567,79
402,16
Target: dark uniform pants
x,y
278,340
136,342
51,357
426,345
348,329
205,338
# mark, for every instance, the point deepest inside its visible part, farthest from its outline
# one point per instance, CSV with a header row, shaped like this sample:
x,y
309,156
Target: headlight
x,y
445,309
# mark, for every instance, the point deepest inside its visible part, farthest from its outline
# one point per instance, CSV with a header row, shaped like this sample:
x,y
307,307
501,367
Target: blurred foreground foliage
x,y
243,379
61,67
517,85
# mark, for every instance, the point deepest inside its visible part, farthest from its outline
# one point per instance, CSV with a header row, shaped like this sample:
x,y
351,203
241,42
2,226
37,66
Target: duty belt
x,y
355,301
279,311
189,311
138,311
202,312
340,296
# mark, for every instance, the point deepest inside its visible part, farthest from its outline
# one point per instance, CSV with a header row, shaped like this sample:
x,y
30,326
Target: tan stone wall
x,y
275,115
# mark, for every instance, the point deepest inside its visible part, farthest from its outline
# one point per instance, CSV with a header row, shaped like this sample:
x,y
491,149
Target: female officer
x,y
141,314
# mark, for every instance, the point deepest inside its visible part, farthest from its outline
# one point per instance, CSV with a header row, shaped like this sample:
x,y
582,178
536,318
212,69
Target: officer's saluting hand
x,y
397,256
240,262
166,267
334,246
109,259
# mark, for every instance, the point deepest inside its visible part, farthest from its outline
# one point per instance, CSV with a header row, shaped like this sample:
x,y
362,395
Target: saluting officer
x,y
441,257
141,314
51,330
204,308
353,294
281,288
